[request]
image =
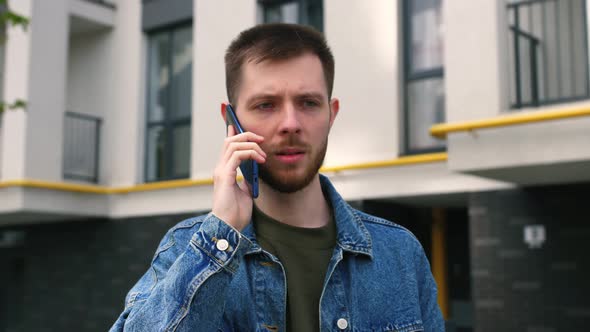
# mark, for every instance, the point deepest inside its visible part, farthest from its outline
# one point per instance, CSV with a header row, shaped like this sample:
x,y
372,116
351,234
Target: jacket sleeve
x,y
186,283
431,314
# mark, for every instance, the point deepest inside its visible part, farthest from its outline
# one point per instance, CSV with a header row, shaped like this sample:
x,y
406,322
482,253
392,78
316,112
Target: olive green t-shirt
x,y
305,254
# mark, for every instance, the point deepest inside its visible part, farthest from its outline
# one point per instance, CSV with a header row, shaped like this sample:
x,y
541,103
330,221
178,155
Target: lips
x,y
290,151
290,155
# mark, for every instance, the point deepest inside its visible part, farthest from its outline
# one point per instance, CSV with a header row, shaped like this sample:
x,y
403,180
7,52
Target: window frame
x,y
168,122
411,76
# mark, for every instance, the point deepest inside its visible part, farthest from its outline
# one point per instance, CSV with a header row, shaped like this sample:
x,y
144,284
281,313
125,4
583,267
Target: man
x,y
297,258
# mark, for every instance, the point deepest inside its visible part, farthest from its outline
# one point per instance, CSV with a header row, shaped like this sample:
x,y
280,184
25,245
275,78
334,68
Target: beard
x,y
286,179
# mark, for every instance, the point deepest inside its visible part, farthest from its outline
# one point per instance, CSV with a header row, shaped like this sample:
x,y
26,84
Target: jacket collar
x,y
352,235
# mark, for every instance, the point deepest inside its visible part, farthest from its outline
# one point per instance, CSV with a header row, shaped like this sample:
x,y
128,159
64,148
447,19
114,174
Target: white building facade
x,y
122,114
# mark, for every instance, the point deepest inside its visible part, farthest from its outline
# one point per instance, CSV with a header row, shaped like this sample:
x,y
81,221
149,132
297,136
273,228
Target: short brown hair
x,y
276,41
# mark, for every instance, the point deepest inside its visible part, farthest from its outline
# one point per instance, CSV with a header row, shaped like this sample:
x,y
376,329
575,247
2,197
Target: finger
x,y
226,171
231,130
239,156
242,146
239,146
243,137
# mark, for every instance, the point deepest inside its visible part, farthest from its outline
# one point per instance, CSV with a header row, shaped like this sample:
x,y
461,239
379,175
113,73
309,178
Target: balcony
x,y
526,120
81,147
87,16
548,52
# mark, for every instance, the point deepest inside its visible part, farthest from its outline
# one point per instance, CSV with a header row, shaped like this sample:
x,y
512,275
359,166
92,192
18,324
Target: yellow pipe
x,y
439,259
163,185
401,161
94,189
441,130
80,188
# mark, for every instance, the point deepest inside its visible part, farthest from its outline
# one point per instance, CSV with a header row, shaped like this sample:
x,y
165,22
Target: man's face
x,y
287,103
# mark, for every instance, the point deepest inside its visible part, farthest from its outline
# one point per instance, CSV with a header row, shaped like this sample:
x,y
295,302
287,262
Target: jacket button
x,y
342,323
222,245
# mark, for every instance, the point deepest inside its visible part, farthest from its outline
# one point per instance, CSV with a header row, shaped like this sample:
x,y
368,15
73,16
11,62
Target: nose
x,y
290,122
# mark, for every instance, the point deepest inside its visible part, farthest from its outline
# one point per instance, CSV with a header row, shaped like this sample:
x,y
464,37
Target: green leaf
x,y
14,19
19,103
9,17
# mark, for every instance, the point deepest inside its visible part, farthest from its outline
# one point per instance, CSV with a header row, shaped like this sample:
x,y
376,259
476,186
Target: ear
x,y
223,111
334,108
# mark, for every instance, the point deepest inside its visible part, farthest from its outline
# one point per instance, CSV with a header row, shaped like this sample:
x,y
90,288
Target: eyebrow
x,y
303,95
260,96
313,95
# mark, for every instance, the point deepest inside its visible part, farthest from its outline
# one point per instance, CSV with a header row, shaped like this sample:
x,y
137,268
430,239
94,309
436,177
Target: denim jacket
x,y
378,279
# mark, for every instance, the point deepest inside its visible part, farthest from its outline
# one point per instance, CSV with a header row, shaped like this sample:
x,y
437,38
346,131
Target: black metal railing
x,y
81,147
549,52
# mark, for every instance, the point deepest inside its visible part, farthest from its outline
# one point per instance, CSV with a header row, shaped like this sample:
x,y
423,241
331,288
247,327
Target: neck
x,y
304,208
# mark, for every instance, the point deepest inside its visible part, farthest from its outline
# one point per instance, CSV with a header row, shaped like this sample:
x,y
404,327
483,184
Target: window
x,y
424,83
81,147
308,12
548,52
169,104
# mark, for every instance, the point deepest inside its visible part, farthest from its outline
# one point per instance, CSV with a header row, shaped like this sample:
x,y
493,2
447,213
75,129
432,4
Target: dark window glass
x,y
308,12
426,107
169,104
426,35
424,101
182,146
181,75
159,73
285,13
156,157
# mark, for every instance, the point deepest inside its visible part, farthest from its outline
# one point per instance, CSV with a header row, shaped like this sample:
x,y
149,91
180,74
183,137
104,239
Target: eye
x,y
266,106
309,103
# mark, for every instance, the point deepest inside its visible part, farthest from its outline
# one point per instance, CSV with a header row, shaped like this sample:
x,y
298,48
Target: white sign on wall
x,y
534,236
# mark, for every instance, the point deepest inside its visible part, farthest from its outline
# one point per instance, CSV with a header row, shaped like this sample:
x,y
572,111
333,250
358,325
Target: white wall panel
x,y
47,85
365,40
216,24
16,86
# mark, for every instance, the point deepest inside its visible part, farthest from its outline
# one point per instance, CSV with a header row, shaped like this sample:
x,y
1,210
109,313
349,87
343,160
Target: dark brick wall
x,y
517,288
74,276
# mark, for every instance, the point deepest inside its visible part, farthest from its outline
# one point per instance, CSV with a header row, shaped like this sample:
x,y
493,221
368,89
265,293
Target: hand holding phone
x,y
249,167
232,200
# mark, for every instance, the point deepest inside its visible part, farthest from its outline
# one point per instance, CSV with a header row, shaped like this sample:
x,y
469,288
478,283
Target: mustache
x,y
292,142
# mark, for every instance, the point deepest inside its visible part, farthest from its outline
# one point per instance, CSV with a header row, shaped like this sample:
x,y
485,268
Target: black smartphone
x,y
249,167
